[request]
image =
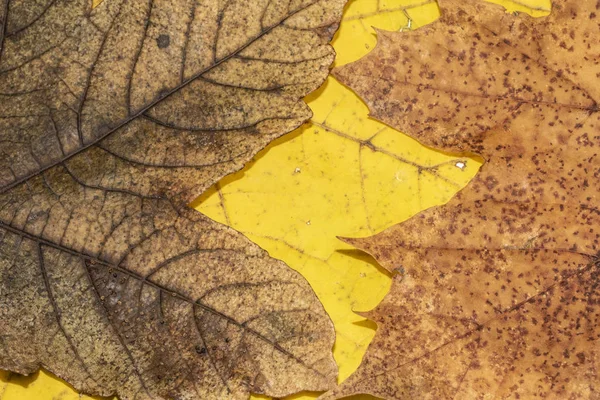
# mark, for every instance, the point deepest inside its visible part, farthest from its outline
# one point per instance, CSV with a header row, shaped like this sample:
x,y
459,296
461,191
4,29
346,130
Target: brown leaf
x,y
111,120
496,294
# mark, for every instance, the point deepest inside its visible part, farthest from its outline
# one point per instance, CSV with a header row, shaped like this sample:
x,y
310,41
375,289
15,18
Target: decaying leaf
x,y
497,293
111,120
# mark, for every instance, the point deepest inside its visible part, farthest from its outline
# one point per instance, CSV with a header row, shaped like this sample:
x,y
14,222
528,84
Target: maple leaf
x,y
496,294
111,121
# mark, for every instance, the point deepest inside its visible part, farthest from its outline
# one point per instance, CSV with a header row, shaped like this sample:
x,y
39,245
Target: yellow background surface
x,y
341,174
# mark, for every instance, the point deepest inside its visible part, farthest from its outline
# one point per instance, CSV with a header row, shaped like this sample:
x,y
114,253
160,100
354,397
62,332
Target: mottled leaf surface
x,y
111,120
497,293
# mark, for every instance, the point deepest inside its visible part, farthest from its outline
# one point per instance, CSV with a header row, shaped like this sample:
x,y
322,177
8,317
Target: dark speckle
x,y
163,41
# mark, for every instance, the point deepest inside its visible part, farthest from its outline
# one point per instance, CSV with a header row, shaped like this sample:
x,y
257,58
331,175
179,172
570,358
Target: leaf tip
x,y
351,241
364,314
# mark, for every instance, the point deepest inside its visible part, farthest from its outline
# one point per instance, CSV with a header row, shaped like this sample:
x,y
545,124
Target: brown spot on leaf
x,y
163,41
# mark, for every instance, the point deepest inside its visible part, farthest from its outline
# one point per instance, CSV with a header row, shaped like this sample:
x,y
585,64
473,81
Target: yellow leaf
x,y
38,386
342,174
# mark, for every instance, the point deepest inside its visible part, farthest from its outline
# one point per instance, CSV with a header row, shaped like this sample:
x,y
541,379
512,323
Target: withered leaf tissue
x,y
112,119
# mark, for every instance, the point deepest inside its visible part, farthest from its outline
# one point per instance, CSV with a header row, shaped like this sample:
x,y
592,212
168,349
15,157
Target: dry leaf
x,y
111,121
496,294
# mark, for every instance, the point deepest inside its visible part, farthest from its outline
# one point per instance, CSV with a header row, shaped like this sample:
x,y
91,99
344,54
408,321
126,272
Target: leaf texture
x,y
112,119
496,294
